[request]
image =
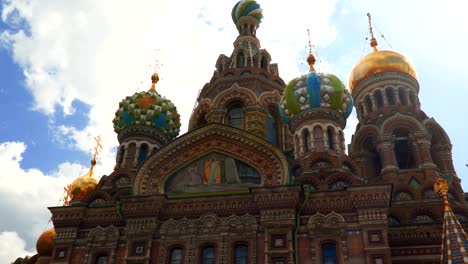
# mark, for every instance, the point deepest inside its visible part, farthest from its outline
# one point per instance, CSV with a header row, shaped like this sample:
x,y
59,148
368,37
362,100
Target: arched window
x,y
263,63
240,60
241,255
305,139
402,95
378,98
272,128
101,259
208,255
403,152
236,116
329,253
143,154
176,256
318,138
412,98
330,138
121,155
374,164
390,96
368,104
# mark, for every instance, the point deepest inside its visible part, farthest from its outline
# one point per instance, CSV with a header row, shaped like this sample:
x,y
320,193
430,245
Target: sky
x,y
65,66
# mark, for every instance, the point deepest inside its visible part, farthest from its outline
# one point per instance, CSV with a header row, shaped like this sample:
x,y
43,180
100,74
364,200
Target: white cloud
x,y
12,247
89,52
26,194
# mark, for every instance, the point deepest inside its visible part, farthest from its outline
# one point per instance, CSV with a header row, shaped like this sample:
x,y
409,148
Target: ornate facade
x,y
262,175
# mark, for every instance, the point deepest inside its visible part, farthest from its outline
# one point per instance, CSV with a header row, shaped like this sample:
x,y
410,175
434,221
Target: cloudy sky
x,y
65,65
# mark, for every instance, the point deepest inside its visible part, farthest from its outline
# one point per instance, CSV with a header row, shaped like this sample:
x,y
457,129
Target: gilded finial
x,y
311,57
155,76
373,41
154,80
441,187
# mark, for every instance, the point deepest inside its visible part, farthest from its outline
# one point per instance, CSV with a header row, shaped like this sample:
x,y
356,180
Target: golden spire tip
x,y
311,57
373,42
154,80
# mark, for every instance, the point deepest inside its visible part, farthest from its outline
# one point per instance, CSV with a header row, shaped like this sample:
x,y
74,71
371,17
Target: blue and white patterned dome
x,y
314,90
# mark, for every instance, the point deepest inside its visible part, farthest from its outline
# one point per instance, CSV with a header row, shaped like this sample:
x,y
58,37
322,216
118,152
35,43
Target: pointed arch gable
x,y
203,107
401,121
235,92
256,152
361,137
436,130
270,99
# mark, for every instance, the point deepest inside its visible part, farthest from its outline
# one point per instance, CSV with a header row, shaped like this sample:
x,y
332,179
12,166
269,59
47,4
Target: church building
x,y
264,174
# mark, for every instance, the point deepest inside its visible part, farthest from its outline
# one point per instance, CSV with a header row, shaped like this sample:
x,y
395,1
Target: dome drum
x,y
383,79
154,135
321,114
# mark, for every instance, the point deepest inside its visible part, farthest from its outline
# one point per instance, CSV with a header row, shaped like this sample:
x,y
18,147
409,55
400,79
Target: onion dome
x,y
379,61
314,90
83,185
246,8
149,109
45,243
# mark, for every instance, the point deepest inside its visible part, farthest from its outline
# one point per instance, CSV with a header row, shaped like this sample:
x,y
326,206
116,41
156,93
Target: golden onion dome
x,y
83,185
380,61
45,243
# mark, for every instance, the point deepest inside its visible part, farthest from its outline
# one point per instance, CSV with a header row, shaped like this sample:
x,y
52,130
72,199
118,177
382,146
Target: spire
x,y
454,239
311,57
373,41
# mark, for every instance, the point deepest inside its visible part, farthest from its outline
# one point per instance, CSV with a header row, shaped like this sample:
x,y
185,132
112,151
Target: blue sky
x,y
65,66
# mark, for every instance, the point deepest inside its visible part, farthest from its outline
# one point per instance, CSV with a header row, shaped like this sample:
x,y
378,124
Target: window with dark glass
x,y
241,254
143,154
272,130
121,154
305,139
329,253
208,255
330,136
263,63
176,256
240,60
236,116
403,152
102,259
